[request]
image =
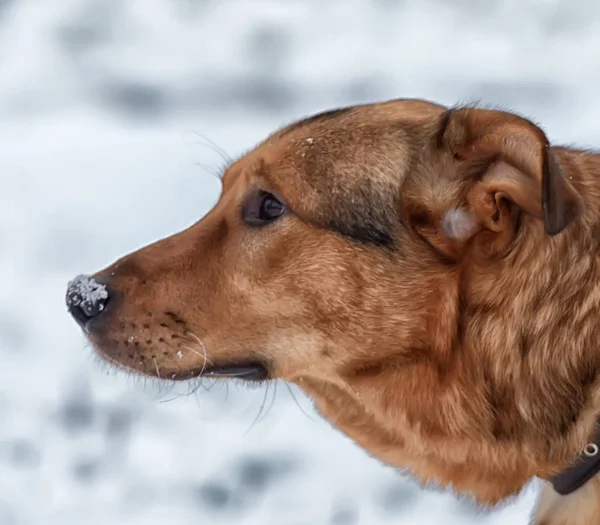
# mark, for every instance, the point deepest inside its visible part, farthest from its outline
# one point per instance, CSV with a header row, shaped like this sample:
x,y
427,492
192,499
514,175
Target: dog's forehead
x,y
399,110
338,149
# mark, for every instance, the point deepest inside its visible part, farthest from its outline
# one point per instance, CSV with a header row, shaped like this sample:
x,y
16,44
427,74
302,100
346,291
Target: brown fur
x,y
471,360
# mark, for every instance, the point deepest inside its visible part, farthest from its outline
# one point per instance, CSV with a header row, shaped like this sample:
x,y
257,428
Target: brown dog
x,y
429,276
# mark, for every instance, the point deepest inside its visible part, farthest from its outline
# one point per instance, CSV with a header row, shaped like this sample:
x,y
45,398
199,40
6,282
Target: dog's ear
x,y
509,160
494,166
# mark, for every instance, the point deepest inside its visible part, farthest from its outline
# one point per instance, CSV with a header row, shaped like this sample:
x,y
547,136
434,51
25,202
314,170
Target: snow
x,y
458,224
87,293
107,114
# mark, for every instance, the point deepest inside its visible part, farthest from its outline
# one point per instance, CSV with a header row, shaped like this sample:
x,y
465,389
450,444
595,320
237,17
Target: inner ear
x,y
492,199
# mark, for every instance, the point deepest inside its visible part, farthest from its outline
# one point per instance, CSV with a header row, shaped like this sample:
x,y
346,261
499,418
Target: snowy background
x,y
105,111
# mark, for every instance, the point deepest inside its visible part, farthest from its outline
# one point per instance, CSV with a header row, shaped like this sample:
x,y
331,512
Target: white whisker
x,y
204,353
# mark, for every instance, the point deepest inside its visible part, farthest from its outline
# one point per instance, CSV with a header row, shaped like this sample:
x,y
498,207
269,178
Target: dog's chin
x,y
248,370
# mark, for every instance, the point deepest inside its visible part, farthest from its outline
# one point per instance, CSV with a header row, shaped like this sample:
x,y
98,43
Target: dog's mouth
x,y
248,371
161,365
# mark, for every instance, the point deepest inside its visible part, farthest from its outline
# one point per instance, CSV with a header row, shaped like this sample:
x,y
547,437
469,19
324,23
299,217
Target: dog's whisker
x,y
203,356
262,406
204,353
214,147
190,390
164,388
209,170
298,404
272,399
266,412
197,339
169,400
193,350
209,388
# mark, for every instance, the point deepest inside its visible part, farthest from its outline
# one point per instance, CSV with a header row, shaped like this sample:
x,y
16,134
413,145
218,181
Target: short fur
x,y
469,356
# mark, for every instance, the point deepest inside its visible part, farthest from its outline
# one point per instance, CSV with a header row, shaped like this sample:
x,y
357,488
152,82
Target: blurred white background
x,y
105,108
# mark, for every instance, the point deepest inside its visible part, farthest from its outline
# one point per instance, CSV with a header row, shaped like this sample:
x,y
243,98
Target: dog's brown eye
x,y
262,208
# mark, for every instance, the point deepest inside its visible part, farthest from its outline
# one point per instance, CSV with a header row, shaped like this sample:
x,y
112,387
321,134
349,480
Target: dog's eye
x,y
262,208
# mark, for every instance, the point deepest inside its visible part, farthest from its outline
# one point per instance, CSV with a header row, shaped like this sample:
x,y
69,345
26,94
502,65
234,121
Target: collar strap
x,y
586,466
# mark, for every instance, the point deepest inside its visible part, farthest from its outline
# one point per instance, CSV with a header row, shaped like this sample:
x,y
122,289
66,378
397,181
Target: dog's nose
x,y
86,299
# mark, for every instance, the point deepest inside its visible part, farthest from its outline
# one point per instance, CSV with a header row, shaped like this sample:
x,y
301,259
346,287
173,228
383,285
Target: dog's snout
x,y
86,298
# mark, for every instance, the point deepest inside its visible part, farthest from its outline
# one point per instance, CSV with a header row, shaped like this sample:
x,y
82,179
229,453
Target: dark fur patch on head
x,y
335,163
319,117
366,214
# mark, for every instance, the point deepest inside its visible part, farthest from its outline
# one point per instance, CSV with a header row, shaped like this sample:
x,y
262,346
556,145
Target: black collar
x,y
586,466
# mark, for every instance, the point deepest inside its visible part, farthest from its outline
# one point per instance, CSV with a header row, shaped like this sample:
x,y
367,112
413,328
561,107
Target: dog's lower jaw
x,y
582,507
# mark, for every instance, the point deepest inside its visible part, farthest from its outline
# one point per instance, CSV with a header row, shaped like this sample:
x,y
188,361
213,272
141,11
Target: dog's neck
x,y
550,331
572,497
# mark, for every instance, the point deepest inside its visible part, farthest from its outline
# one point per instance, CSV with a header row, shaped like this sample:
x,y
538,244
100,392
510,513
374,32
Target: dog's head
x,y
368,255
